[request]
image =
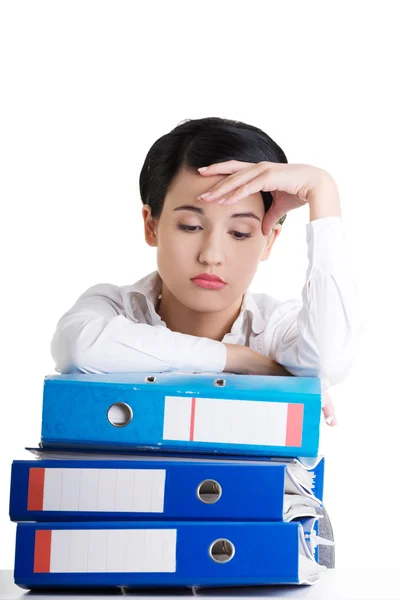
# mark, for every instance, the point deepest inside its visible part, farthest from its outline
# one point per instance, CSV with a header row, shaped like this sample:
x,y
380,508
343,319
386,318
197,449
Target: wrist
x,y
324,200
234,357
244,360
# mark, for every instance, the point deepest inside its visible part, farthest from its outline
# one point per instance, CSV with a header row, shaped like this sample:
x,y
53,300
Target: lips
x,y
209,282
207,277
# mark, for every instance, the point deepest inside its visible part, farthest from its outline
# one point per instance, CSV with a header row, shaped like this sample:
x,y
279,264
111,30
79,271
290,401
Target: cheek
x,y
246,259
172,248
247,252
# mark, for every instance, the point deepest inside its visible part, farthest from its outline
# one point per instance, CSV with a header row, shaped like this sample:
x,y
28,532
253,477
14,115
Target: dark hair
x,y
197,143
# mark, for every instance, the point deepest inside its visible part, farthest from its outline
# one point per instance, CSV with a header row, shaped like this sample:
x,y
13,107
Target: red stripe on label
x,y
294,425
41,559
192,416
35,489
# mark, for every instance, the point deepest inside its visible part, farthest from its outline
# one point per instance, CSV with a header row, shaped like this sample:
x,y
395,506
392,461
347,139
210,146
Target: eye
x,y
238,235
188,227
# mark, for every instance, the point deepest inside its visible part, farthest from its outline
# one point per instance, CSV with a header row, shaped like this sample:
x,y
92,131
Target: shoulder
x,y
106,292
277,321
270,306
133,300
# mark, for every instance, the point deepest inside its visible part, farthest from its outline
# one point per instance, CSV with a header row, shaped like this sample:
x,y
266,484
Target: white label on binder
x,y
97,490
105,551
219,420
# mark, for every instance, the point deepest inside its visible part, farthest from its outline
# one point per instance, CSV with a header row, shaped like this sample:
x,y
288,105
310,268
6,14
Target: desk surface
x,y
335,584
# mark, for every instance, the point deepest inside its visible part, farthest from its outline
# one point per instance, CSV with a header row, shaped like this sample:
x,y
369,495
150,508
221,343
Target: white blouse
x,y
113,329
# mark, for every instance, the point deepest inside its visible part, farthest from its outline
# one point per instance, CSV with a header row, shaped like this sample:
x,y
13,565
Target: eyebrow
x,y
200,211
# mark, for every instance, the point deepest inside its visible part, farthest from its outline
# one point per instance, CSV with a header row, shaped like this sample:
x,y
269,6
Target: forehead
x,y
187,185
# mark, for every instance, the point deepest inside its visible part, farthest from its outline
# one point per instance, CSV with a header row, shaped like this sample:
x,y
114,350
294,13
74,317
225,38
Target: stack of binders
x,y
171,480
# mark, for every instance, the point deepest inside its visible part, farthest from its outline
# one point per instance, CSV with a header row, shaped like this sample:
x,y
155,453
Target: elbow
x,y
68,362
329,373
71,344
334,358
331,368
332,375
63,356
337,362
338,355
334,372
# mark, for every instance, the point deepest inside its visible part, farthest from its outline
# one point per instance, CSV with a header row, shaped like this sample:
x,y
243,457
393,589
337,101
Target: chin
x,y
203,303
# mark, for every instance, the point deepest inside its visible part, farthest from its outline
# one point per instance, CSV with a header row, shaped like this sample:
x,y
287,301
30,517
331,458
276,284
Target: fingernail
x,y
202,169
203,196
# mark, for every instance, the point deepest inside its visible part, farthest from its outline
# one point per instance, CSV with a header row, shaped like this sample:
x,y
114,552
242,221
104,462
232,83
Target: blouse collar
x,y
149,288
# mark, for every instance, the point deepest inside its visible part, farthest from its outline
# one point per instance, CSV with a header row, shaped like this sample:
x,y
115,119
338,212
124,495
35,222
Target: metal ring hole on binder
x,y
119,414
222,551
150,379
220,382
209,491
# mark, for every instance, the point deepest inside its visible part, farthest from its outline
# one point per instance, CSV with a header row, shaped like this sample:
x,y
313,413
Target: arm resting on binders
x,y
98,343
95,337
241,359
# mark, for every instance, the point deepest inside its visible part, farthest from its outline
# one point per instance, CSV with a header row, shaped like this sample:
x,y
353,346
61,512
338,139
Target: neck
x,y
182,319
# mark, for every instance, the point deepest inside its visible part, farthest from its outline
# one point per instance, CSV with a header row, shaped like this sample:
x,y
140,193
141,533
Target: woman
x,y
196,313
215,195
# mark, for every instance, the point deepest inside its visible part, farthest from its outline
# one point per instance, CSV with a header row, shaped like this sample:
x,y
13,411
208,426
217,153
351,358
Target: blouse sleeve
x,y
94,336
319,336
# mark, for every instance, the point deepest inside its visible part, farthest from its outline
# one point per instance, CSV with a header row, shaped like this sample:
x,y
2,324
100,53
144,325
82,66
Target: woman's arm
x,y
241,359
319,336
94,336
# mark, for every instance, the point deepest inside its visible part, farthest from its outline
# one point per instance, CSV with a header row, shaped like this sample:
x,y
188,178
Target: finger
x,y
232,183
270,220
225,168
331,421
326,410
247,188
328,416
329,411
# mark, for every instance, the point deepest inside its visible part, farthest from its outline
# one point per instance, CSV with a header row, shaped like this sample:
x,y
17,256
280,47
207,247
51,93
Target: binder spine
x,y
286,425
51,490
115,554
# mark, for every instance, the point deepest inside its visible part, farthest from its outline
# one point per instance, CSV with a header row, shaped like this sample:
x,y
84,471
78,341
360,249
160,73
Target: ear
x,y
150,226
269,242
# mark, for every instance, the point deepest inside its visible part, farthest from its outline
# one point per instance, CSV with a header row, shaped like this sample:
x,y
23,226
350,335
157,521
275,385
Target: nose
x,y
211,252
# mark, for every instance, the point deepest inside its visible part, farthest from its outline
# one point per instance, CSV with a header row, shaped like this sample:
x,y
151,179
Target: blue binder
x,y
153,554
171,488
205,413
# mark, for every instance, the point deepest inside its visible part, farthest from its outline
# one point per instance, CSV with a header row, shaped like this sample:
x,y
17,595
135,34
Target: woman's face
x,y
195,237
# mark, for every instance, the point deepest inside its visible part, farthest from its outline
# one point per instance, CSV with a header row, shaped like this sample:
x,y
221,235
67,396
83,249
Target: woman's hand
x,y
291,186
328,410
244,360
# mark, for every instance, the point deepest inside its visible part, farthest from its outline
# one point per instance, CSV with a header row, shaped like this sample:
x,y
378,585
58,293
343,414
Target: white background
x,y
87,87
